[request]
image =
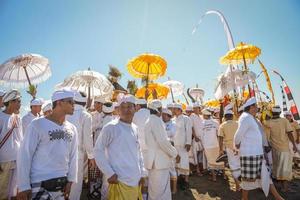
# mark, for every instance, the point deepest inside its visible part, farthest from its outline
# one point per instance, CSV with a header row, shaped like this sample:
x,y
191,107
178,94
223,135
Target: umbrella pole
x,y
246,69
89,97
31,91
172,95
26,73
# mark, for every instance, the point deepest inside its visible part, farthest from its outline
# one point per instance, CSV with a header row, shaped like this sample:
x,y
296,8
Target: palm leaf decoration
x,y
132,87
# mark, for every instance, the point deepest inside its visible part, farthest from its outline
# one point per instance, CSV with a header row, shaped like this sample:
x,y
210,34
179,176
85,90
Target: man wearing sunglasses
x,y
47,160
10,139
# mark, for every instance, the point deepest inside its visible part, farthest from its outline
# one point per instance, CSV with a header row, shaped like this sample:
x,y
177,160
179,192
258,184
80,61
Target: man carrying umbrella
x,y
10,138
47,162
35,109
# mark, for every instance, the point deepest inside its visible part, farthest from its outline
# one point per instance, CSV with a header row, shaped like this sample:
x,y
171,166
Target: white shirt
x,y
82,120
117,151
139,119
107,119
249,136
26,119
97,119
210,133
183,134
9,150
171,129
48,151
197,124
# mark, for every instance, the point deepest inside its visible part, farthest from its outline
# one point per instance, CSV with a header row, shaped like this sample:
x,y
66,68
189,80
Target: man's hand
x,y
24,195
177,159
142,181
187,147
92,163
113,179
67,190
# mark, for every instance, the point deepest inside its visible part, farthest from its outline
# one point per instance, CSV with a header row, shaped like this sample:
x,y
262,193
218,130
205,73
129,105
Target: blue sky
x,y
76,35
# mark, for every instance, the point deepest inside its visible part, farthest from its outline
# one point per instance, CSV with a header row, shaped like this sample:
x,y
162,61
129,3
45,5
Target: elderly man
x,y
10,139
160,154
249,140
82,120
47,160
281,133
118,154
182,142
35,109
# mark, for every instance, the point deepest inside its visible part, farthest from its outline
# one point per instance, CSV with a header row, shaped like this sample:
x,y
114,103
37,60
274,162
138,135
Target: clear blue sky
x,y
76,35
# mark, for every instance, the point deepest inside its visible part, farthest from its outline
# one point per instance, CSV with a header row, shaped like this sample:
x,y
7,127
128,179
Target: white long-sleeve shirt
x,y
171,129
117,151
248,136
139,119
9,150
160,152
82,120
183,134
26,120
209,135
197,124
48,151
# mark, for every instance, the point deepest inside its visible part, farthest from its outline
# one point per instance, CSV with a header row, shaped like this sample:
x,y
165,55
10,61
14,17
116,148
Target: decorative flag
x,y
284,105
264,70
266,96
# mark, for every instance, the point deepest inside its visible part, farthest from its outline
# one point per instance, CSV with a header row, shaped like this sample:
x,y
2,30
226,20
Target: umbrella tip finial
x,y
89,68
196,85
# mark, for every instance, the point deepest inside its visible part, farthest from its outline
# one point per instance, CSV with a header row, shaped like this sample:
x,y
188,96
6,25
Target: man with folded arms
x,y
47,160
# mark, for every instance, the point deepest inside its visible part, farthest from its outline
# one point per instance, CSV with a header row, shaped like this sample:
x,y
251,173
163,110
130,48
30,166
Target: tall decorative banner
x,y
264,70
293,109
284,105
266,96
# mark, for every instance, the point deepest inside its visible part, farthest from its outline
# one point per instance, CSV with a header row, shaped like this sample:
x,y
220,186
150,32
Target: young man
x,y
118,154
10,139
47,160
82,120
226,134
47,108
281,133
35,109
210,143
249,140
160,154
182,142
296,135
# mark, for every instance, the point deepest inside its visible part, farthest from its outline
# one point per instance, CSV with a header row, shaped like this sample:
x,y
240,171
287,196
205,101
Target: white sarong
x,y
159,184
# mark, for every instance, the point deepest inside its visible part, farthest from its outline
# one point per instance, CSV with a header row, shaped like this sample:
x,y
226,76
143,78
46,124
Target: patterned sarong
x,y
251,167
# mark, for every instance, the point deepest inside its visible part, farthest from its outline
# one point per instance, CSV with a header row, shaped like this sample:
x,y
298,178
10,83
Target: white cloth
x,y
249,136
36,102
26,120
139,119
9,150
234,163
183,134
107,119
159,185
197,123
76,188
11,95
160,151
62,94
82,120
117,151
209,133
171,129
48,151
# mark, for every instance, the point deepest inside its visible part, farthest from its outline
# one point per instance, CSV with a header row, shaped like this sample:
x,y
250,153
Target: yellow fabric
x,y
227,130
212,155
295,127
147,64
213,103
278,133
267,80
5,175
122,191
162,91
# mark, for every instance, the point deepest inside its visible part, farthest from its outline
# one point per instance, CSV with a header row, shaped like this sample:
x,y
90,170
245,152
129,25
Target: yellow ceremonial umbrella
x,y
241,54
161,90
148,66
212,103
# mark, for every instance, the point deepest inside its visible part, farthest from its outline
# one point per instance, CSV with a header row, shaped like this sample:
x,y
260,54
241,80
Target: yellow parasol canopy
x,y
162,91
212,103
240,54
149,66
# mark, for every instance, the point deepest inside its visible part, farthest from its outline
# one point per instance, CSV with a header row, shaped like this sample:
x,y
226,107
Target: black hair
x,y
143,105
80,103
276,115
228,116
246,109
54,104
153,112
6,104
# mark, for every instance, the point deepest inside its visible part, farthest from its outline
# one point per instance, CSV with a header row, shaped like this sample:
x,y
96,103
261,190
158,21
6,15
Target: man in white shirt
x,y
160,154
10,139
248,139
118,154
82,120
35,109
97,116
182,142
47,108
47,160
210,143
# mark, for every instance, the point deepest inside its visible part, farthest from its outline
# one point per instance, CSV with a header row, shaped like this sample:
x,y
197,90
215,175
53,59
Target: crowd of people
x,y
136,149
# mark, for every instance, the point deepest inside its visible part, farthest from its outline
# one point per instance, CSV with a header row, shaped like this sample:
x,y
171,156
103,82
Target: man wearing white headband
x,y
35,109
2,93
249,140
226,134
47,108
118,154
281,133
160,154
10,139
47,162
296,135
189,110
82,120
97,116
182,142
209,138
